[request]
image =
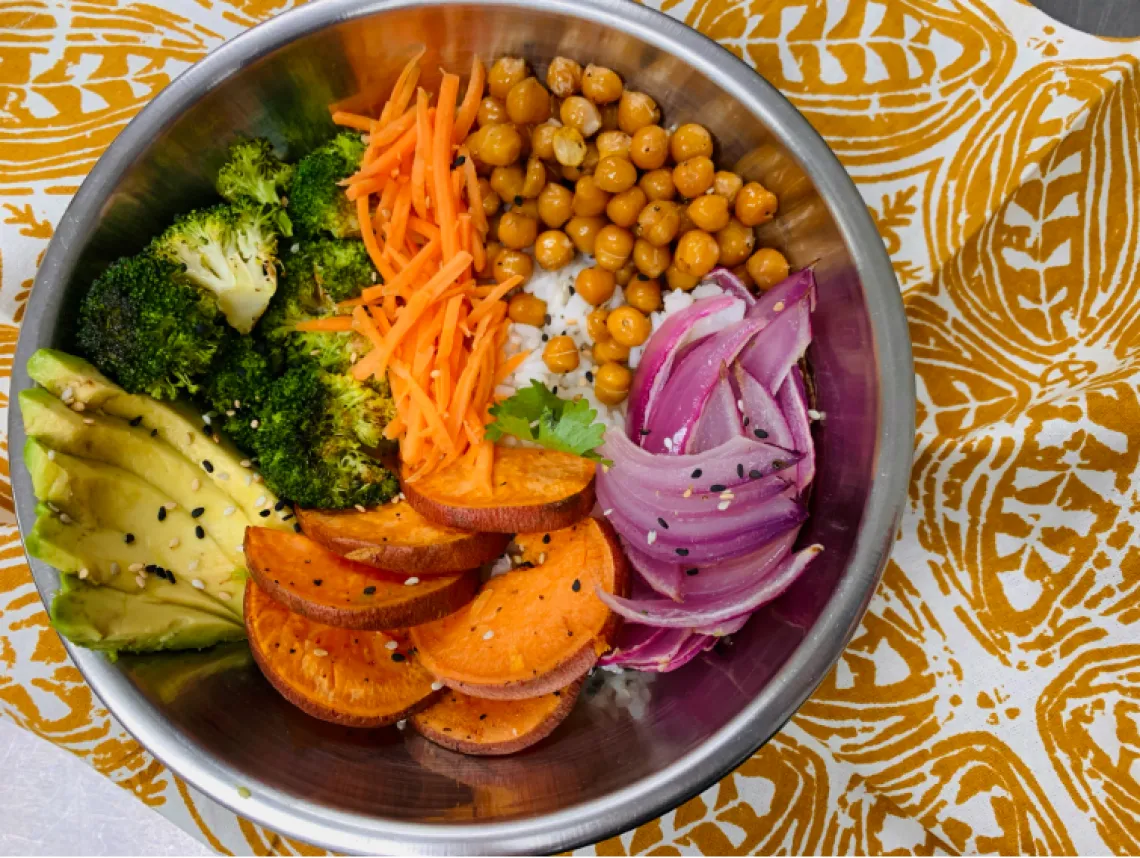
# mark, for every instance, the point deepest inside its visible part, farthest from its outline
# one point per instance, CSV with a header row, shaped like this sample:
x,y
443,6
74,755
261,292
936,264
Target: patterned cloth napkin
x,y
990,702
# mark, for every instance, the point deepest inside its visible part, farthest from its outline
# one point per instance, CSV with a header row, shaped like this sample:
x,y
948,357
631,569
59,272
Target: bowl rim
x,y
595,820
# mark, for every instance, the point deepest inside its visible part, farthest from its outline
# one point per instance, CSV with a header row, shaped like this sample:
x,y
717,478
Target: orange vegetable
x,y
465,116
353,120
328,324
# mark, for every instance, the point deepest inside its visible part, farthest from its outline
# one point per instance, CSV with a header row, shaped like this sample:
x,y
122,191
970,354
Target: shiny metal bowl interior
x,y
214,720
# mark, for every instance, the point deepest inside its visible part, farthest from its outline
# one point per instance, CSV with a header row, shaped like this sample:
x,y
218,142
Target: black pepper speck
x,y
128,538
398,656
576,586
368,591
682,552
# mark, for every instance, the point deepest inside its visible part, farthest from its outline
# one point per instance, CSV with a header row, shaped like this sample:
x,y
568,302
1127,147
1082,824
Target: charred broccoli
x,y
253,172
145,324
317,275
236,385
230,250
317,203
318,437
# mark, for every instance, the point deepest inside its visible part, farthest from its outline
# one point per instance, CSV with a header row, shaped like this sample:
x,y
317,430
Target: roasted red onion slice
x,y
793,400
731,284
783,341
721,420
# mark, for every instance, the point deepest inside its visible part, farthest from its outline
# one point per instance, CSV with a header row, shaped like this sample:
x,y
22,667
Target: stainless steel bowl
x,y
214,720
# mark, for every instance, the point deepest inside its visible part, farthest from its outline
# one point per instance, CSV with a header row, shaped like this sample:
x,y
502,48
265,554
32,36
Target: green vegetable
x,y
144,323
236,385
317,203
318,437
253,172
231,251
536,414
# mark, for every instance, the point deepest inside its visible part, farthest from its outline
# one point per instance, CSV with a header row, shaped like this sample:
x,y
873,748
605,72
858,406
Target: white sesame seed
x,y
411,582
67,394
136,567
237,403
88,421
314,352
246,463
740,405
391,645
79,406
169,505
229,510
249,479
141,581
779,307
115,568
239,549
400,725
189,437
65,518
433,374
296,246
206,418
52,507
51,455
436,686
198,584
652,537
223,595
253,424
175,542
723,505
814,415
320,653
606,511
668,443
83,573
192,566
487,635
260,501
230,412
360,507
195,485
605,468
688,493
223,475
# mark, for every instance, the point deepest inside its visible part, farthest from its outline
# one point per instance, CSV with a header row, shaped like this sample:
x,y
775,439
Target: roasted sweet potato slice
x,y
394,536
536,628
309,579
480,727
339,675
533,490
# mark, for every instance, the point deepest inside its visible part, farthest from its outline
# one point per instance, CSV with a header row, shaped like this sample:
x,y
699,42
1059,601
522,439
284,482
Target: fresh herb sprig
x,y
536,414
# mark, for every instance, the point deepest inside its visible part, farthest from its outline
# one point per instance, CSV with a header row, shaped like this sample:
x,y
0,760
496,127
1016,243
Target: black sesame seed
x,y
682,552
264,513
571,290
663,522
208,465
459,162
641,276
296,528
128,538
137,421
740,471
779,464
576,586
717,487
546,539
755,474
197,511
368,591
747,420
589,377
170,577
692,571
286,517
398,656
200,532
153,433
318,581
696,475
759,433
545,337
483,716
151,567
280,505
518,199
644,432
162,513
546,319
554,390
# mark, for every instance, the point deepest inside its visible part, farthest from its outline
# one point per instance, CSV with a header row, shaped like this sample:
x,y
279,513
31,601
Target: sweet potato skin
x,y
287,649
494,728
508,643
534,491
312,581
396,537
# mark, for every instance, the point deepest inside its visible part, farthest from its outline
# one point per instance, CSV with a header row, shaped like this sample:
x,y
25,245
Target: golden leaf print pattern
x,y
990,700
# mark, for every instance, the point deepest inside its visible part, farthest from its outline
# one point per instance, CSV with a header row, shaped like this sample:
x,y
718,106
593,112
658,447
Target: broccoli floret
x,y
145,324
230,250
317,275
236,386
254,172
317,440
317,204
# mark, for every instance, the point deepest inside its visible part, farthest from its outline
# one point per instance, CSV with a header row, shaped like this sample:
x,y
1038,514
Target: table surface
x,y
52,803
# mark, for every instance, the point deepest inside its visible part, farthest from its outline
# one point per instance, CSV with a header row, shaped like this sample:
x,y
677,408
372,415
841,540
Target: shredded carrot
x,y
399,223
408,78
507,368
329,324
424,227
465,116
488,304
362,321
474,196
386,136
382,167
441,162
353,120
419,165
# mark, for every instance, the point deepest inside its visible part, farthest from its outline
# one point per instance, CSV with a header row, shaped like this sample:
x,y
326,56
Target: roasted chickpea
x,y
709,212
563,76
767,267
596,285
535,179
492,111
727,184
601,85
741,271
650,260
526,309
649,147
697,252
612,382
553,250
624,275
735,241
516,230
659,222
755,204
491,252
679,280
511,262
577,112
542,140
496,145
613,143
528,208
507,182
644,294
613,247
586,168
658,185
694,176
589,199
505,72
609,349
583,231
560,354
555,205
628,326
636,110
569,147
614,174
528,102
690,141
492,202
624,208
596,324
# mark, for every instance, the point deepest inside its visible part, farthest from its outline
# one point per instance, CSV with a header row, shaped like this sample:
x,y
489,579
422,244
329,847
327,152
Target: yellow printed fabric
x,y
990,702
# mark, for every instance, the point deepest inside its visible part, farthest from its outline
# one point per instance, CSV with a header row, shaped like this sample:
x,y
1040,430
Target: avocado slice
x,y
116,442
94,495
170,675
113,621
74,380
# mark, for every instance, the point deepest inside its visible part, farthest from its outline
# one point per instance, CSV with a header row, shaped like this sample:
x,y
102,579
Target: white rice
x,y
567,314
612,689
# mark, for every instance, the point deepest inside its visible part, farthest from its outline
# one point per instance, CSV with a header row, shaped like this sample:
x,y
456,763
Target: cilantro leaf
x,y
536,414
